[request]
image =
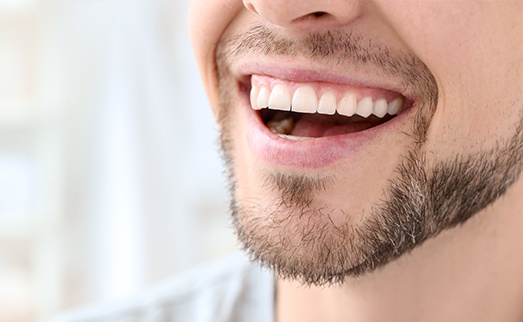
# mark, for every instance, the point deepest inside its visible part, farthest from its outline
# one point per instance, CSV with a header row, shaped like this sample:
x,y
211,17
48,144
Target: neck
x,y
468,273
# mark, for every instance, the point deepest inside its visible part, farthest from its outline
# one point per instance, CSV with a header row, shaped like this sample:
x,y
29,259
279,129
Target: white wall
x,y
110,179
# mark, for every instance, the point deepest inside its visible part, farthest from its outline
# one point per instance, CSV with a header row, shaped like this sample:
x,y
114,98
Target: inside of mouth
x,y
305,125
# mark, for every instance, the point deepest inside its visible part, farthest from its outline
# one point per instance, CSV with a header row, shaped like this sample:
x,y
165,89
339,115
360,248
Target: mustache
x,y
334,47
342,49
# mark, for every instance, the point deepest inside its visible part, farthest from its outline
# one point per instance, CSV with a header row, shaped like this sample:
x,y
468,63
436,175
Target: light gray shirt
x,y
231,290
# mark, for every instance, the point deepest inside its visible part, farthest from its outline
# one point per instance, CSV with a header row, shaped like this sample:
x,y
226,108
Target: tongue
x,y
317,126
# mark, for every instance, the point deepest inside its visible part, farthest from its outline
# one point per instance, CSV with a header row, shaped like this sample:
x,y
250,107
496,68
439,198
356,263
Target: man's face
x,y
406,120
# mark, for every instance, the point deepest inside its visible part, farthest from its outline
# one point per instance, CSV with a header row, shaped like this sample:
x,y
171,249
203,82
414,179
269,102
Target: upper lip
x,y
313,72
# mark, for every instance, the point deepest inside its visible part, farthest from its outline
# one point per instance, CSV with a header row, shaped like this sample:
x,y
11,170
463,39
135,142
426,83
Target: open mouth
x,y
304,111
296,126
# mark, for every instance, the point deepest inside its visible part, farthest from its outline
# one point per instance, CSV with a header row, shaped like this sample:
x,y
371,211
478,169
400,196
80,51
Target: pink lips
x,y
311,153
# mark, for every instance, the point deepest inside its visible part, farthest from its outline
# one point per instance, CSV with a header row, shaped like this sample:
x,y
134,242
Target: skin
x,y
472,50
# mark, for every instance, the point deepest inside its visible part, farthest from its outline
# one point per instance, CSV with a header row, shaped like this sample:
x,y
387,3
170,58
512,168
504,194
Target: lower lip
x,y
312,153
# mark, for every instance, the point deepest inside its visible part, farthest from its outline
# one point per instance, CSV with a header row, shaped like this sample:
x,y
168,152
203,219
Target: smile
x,y
310,119
299,111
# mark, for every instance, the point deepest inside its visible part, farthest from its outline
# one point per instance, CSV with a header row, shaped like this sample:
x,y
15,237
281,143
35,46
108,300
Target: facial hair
x,y
302,242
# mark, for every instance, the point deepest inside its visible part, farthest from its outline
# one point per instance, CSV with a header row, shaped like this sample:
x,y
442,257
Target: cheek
x,y
206,26
208,20
474,50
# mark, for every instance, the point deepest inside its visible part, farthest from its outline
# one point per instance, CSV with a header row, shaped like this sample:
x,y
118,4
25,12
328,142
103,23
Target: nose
x,y
300,14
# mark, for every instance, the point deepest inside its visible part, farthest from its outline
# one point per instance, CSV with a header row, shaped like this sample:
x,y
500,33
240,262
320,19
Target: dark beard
x,y
419,203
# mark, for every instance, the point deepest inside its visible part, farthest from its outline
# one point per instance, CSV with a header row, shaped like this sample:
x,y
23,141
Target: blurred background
x,y
110,179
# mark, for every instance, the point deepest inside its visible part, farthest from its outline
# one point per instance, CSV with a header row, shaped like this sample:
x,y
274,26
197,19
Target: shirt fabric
x,y
230,290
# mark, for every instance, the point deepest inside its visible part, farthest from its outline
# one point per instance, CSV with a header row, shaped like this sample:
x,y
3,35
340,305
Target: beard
x,y
298,238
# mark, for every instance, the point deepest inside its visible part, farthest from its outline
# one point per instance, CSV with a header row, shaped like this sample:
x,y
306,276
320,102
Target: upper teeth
x,y
305,100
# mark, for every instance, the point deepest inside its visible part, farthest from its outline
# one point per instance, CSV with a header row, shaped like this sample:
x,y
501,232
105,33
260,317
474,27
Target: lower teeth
x,y
283,126
294,138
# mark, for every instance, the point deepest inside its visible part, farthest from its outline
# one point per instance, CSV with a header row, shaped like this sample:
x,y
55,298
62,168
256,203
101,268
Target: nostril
x,y
251,8
312,16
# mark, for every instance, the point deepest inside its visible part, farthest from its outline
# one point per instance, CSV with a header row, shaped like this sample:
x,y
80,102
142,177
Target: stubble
x,y
303,242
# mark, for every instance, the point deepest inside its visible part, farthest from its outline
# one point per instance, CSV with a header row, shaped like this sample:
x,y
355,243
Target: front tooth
x,y
395,106
347,105
263,98
364,108
380,108
304,100
280,98
327,103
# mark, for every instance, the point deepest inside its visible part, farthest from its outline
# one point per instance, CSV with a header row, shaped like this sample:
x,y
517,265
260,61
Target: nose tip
x,y
300,14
